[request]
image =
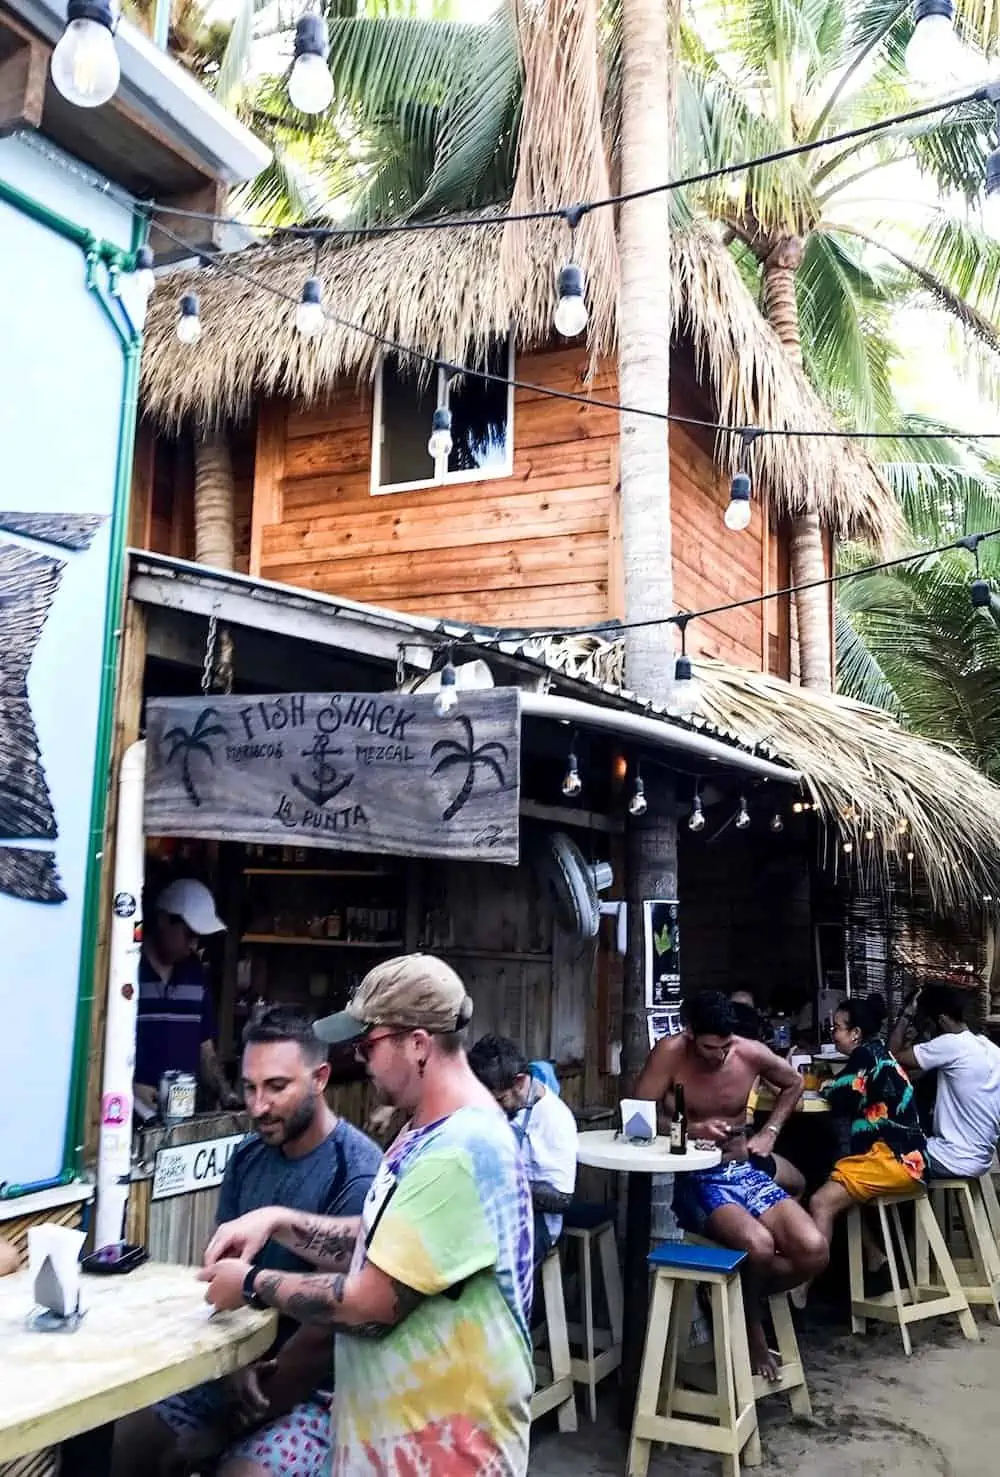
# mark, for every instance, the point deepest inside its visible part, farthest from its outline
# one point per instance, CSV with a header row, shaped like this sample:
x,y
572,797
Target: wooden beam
x,y
765,581
268,473
208,198
128,717
565,815
140,527
616,557
23,77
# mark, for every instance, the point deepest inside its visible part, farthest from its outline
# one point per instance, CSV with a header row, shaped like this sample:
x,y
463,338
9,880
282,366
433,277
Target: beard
x,y
292,1126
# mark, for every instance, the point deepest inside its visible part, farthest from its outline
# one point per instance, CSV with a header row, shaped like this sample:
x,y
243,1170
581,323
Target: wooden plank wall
x,y
542,545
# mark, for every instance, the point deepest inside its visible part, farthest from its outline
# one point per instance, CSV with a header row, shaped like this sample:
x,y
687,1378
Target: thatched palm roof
x,y
896,799
445,292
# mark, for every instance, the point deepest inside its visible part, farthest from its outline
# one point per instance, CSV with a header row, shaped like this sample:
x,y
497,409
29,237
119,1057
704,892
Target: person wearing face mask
x,y
273,1419
429,1291
544,1128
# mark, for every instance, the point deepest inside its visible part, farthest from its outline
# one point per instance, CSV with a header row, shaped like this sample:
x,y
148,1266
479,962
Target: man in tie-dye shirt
x,y
431,1289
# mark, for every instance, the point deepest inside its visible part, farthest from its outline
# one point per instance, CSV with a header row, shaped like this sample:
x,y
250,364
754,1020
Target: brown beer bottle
x,y
679,1124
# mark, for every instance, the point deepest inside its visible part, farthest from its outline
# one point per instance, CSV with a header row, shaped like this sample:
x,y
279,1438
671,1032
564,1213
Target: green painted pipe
x,y
96,251
131,342
105,251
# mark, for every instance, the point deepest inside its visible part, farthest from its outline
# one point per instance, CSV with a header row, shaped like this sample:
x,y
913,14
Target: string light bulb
x,y
188,327
440,442
571,316
847,848
935,57
446,698
777,823
737,515
902,826
696,820
742,815
310,86
572,783
909,856
310,320
142,276
798,807
638,805
685,694
85,66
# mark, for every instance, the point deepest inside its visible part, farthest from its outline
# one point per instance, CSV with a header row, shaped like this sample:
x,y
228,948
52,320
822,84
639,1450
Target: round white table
x,y
607,1149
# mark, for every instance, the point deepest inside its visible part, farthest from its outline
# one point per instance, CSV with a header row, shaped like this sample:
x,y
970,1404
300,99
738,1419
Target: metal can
x,y
177,1096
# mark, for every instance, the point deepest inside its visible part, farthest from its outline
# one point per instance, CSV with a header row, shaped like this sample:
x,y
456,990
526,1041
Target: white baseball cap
x,y
191,901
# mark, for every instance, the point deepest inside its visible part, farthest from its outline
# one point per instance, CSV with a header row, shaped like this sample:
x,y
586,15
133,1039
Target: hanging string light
x,y
142,276
638,805
188,326
440,443
446,698
572,783
737,515
85,66
777,823
696,820
742,815
847,848
310,320
685,694
310,86
571,316
935,57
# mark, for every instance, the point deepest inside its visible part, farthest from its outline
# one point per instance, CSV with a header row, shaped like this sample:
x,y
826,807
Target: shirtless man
x,y
737,1204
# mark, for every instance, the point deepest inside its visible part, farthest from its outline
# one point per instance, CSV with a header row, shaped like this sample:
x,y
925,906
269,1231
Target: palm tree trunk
x,y
808,563
644,327
214,501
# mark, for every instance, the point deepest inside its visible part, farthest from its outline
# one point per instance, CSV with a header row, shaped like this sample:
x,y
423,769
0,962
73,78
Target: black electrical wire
x,y
220,264
581,208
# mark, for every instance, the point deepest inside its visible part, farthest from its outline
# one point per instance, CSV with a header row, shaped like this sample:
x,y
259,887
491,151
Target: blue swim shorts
x,y
696,1196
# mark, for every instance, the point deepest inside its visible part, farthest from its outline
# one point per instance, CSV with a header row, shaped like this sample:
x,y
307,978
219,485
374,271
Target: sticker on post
x,y
124,905
113,1109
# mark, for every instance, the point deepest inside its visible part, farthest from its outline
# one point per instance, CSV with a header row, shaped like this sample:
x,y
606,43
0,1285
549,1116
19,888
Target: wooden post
x,y
23,76
127,727
268,471
140,527
616,567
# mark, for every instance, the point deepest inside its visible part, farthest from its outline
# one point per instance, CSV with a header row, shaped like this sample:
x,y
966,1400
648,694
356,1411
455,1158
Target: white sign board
x,y
187,1167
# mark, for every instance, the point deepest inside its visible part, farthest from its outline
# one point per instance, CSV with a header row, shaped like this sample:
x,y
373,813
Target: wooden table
x,y
144,1336
605,1149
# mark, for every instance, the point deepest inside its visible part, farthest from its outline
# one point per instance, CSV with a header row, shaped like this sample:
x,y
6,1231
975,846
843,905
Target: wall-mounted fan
x,y
574,884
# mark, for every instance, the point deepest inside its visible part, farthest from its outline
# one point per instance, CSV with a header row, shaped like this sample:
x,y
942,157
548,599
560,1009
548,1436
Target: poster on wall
x,y
661,934
362,772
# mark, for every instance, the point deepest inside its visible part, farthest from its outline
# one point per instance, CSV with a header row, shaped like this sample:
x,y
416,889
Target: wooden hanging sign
x,y
353,771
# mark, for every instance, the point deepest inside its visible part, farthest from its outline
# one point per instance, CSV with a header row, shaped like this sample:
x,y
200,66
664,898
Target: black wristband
x,y
249,1295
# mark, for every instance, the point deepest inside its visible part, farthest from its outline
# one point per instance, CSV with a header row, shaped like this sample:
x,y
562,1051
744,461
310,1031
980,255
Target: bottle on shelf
x,y
678,1123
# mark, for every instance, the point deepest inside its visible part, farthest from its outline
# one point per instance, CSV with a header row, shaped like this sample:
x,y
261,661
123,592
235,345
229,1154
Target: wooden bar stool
x,y
554,1379
979,1273
602,1347
724,1422
922,1297
990,1197
791,1380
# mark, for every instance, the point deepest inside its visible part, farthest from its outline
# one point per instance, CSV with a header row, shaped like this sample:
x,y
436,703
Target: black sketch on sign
x,y
28,585
326,778
190,744
456,752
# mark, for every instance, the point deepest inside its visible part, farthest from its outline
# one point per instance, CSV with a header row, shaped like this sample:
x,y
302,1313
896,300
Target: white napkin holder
x,y
54,1266
638,1120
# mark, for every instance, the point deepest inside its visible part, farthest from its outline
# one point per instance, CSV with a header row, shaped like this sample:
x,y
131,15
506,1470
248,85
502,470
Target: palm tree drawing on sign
x,y
455,752
188,745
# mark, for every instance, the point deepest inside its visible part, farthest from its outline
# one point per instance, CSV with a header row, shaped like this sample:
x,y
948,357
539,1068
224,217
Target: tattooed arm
x,y
366,1303
320,1239
325,1241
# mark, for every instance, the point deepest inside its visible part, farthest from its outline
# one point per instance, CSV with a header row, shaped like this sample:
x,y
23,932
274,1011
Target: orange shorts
x,y
878,1172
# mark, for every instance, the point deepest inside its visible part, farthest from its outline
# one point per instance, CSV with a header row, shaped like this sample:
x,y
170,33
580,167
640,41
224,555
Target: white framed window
x,y
482,424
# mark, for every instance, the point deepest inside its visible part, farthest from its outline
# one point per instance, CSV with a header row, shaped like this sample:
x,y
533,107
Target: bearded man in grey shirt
x,y
273,1419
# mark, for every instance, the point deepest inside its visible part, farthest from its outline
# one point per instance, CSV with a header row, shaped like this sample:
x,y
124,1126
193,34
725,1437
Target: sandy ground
x,y
874,1412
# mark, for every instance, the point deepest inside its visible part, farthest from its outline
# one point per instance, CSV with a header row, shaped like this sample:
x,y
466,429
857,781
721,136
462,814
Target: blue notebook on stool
x,y
696,1258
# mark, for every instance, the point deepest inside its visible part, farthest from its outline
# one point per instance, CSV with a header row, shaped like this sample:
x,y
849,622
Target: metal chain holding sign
x,y
400,667
217,671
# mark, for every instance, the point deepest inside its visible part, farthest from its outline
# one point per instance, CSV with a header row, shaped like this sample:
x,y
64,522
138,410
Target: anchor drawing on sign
x,y
324,772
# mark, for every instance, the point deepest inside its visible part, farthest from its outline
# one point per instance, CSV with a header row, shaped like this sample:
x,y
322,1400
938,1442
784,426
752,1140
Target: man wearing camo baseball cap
x,y
439,1266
